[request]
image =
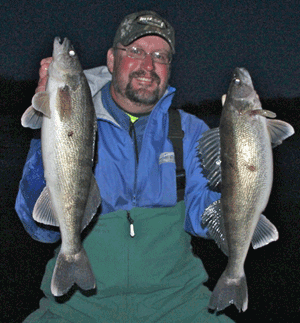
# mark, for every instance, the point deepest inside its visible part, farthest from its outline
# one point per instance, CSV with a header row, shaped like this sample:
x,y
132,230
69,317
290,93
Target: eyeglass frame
x,y
145,54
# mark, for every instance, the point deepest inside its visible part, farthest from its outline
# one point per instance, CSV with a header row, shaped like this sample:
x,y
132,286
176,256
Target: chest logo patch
x,y
167,157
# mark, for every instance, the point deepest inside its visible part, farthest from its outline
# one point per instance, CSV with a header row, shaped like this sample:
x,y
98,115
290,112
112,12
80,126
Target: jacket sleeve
x,y
198,196
30,188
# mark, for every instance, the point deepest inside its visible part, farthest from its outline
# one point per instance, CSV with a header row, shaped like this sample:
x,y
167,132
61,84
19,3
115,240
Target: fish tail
x,y
230,291
71,269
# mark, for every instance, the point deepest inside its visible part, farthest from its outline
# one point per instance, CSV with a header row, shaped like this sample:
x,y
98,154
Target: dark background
x,y
213,37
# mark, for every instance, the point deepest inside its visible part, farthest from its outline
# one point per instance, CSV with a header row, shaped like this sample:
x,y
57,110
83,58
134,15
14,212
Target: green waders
x,y
152,277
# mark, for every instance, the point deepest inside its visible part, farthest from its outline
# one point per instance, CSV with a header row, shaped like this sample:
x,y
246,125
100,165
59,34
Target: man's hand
x,y
43,72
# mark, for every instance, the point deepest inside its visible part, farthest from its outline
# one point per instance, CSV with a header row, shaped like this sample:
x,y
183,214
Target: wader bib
x,y
152,277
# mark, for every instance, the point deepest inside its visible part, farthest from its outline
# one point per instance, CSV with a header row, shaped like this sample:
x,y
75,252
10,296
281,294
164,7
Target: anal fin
x,y
42,211
265,232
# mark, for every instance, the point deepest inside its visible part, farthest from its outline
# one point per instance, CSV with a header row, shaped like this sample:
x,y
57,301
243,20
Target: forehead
x,y
151,43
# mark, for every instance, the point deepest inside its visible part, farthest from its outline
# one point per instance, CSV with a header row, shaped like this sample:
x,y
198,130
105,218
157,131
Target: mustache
x,y
142,73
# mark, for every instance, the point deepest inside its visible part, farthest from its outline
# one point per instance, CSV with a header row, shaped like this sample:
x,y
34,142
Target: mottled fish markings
x,y
238,155
64,102
66,116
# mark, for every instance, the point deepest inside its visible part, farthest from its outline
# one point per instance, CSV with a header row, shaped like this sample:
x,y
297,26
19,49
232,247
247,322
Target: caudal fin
x,y
229,291
71,269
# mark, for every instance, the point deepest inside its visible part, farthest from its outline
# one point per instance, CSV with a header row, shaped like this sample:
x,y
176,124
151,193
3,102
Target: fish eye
x,y
72,52
237,81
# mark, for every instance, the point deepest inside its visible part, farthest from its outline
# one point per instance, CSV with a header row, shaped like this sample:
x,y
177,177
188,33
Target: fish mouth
x,y
240,74
65,58
241,87
60,47
59,42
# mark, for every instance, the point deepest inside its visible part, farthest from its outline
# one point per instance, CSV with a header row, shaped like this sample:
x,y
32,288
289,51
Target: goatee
x,y
142,96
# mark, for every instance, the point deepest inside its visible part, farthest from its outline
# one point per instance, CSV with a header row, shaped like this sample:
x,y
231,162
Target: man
x,y
152,277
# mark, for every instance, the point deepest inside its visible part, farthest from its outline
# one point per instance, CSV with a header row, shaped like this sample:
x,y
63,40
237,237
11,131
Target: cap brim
x,y
126,42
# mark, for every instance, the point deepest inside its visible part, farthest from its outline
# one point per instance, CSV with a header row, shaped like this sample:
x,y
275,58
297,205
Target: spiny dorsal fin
x,y
209,149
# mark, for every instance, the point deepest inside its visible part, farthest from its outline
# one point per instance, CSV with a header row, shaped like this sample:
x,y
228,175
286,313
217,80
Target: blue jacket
x,y
124,183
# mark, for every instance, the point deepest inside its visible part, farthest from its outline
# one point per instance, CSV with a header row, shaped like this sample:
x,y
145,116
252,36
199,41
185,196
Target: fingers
x,y
42,85
43,73
46,60
44,66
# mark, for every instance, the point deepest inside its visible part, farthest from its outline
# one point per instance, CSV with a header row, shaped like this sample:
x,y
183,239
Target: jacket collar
x,y
98,77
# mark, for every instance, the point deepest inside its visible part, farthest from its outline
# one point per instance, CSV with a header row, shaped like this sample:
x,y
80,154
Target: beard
x,y
143,95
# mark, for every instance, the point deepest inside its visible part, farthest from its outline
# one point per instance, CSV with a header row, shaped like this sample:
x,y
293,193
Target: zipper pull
x,y
131,227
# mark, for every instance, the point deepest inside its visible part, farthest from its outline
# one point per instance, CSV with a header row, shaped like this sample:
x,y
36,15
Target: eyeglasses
x,y
138,53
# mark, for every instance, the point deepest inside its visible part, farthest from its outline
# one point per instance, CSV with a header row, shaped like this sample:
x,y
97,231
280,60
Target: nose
x,y
148,63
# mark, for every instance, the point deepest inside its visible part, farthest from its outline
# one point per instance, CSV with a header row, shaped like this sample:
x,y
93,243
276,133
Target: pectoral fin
x,y
32,118
223,99
40,102
263,113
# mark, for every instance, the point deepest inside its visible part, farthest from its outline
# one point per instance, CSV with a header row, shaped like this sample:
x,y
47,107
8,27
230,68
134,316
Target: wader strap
x,y
176,135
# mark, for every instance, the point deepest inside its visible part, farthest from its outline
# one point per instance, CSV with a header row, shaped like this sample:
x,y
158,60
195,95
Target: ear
x,y
110,60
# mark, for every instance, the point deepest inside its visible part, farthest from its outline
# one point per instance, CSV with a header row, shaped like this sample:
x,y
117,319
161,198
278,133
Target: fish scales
x,y
66,115
244,147
69,163
246,180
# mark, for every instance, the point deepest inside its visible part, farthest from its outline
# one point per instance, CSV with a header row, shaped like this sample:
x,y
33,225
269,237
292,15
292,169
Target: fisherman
x,y
139,247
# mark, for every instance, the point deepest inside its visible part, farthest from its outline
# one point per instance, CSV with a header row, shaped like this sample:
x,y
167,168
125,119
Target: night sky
x,y
212,38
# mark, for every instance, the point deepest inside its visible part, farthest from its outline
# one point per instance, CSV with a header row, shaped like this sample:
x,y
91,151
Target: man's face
x,y
142,82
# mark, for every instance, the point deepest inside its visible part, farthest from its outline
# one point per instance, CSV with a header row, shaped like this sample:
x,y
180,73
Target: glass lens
x,y
138,53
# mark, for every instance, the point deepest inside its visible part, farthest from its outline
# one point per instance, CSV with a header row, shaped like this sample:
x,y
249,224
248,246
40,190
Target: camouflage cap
x,y
141,24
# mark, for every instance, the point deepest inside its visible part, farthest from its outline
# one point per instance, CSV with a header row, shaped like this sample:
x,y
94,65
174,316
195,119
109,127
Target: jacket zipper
x,y
132,132
131,227
132,135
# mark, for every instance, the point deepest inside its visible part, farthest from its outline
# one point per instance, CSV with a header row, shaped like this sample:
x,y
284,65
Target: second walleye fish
x,y
66,115
239,155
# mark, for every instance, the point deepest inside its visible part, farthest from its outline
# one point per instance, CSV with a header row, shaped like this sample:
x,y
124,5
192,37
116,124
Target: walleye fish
x,y
239,155
65,113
